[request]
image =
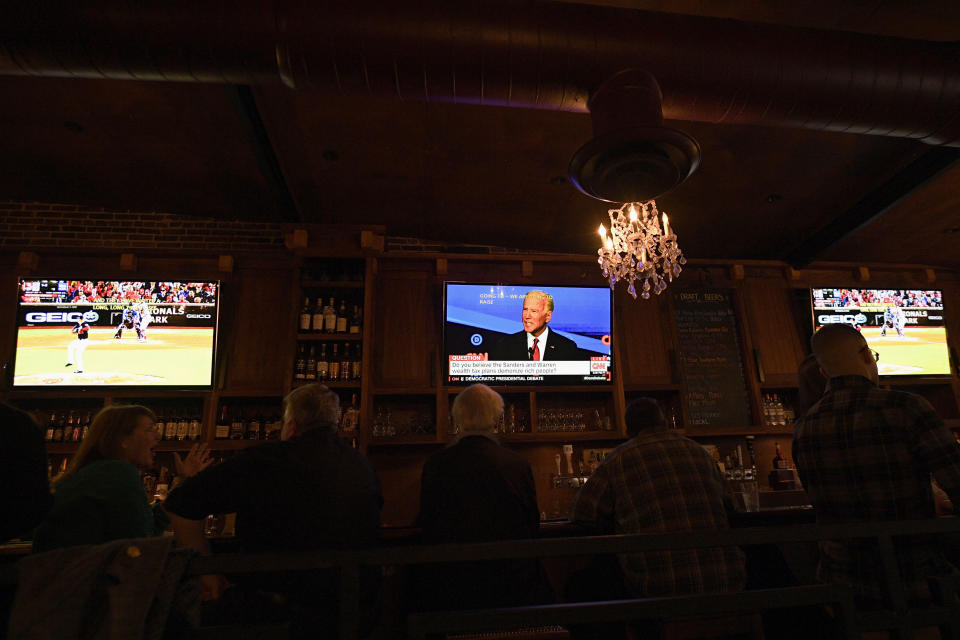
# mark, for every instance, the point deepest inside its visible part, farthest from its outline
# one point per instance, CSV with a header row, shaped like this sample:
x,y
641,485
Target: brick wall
x,y
37,225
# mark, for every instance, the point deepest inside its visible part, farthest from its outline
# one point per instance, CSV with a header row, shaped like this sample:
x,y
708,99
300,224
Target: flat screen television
x,y
115,333
905,326
486,334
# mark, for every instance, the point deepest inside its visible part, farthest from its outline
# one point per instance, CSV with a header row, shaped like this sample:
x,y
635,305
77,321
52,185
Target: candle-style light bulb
x,y
633,213
602,231
608,243
666,225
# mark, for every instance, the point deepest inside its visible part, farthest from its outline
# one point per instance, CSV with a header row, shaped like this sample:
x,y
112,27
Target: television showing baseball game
x,y
905,326
115,333
527,335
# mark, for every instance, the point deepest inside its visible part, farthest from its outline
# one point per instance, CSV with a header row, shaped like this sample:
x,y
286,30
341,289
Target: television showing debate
x,y
905,326
115,333
527,334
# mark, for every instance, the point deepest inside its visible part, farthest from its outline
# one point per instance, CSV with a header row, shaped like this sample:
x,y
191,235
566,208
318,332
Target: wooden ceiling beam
x,y
874,205
256,133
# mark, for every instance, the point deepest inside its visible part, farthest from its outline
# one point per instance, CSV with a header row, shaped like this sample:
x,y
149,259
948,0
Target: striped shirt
x,y
863,454
660,482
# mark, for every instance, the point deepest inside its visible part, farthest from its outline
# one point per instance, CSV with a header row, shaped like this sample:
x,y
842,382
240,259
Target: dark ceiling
x,y
466,173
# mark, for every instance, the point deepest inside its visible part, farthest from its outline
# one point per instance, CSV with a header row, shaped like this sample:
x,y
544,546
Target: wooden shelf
x,y
419,438
62,447
738,431
405,391
250,393
563,436
329,337
331,284
333,384
234,445
665,386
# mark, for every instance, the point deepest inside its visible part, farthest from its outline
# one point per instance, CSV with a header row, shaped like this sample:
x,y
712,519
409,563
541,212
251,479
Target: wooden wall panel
x,y
645,341
407,329
257,318
773,330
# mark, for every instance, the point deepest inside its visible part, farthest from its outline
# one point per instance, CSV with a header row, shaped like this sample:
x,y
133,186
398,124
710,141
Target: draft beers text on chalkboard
x,y
710,357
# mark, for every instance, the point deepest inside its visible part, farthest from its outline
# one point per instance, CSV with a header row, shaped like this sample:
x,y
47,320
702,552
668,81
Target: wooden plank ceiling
x,y
474,174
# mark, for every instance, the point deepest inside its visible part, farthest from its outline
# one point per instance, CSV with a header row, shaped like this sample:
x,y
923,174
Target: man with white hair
x,y
310,490
473,491
865,453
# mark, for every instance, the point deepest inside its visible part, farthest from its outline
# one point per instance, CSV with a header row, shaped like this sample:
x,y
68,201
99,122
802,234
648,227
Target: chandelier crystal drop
x,y
638,249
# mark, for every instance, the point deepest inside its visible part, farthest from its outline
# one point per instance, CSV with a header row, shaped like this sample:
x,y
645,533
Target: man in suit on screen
x,y
537,341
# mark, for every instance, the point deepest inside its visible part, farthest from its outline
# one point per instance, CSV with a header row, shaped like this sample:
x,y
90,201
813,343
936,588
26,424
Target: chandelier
x,y
639,249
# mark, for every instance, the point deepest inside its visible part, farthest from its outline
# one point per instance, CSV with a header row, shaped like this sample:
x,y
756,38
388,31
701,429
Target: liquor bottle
x,y
310,372
85,429
161,426
238,429
255,427
355,319
333,367
316,323
345,368
51,428
222,430
58,430
357,361
342,317
323,365
350,419
170,431
193,430
72,431
330,317
300,367
183,426
778,461
305,316
346,364
271,430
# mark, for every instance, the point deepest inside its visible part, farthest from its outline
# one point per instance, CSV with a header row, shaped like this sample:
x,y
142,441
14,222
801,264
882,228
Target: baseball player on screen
x,y
81,332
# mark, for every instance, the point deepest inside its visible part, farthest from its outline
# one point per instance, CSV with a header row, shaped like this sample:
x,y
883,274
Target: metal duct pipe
x,y
521,54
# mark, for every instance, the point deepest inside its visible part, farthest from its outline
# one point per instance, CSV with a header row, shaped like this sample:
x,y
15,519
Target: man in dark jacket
x,y
473,491
311,490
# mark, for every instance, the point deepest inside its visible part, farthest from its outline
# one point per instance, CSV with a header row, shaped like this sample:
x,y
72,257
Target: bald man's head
x,y
841,351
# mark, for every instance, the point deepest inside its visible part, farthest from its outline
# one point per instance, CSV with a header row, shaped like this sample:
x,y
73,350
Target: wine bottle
x,y
330,317
238,429
317,320
333,367
778,461
255,427
194,428
300,366
355,319
342,317
310,373
323,365
222,430
305,315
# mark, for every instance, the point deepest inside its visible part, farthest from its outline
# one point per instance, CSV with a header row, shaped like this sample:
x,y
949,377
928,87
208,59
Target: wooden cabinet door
x,y
644,338
772,324
407,328
257,320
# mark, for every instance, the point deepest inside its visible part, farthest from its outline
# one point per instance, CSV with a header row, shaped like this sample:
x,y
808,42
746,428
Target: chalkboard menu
x,y
716,388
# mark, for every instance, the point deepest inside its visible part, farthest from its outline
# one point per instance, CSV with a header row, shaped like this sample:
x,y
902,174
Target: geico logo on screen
x,y
832,319
59,317
205,316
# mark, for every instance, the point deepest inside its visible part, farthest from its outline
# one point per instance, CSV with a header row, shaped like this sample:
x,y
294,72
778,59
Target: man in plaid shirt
x,y
865,453
659,482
